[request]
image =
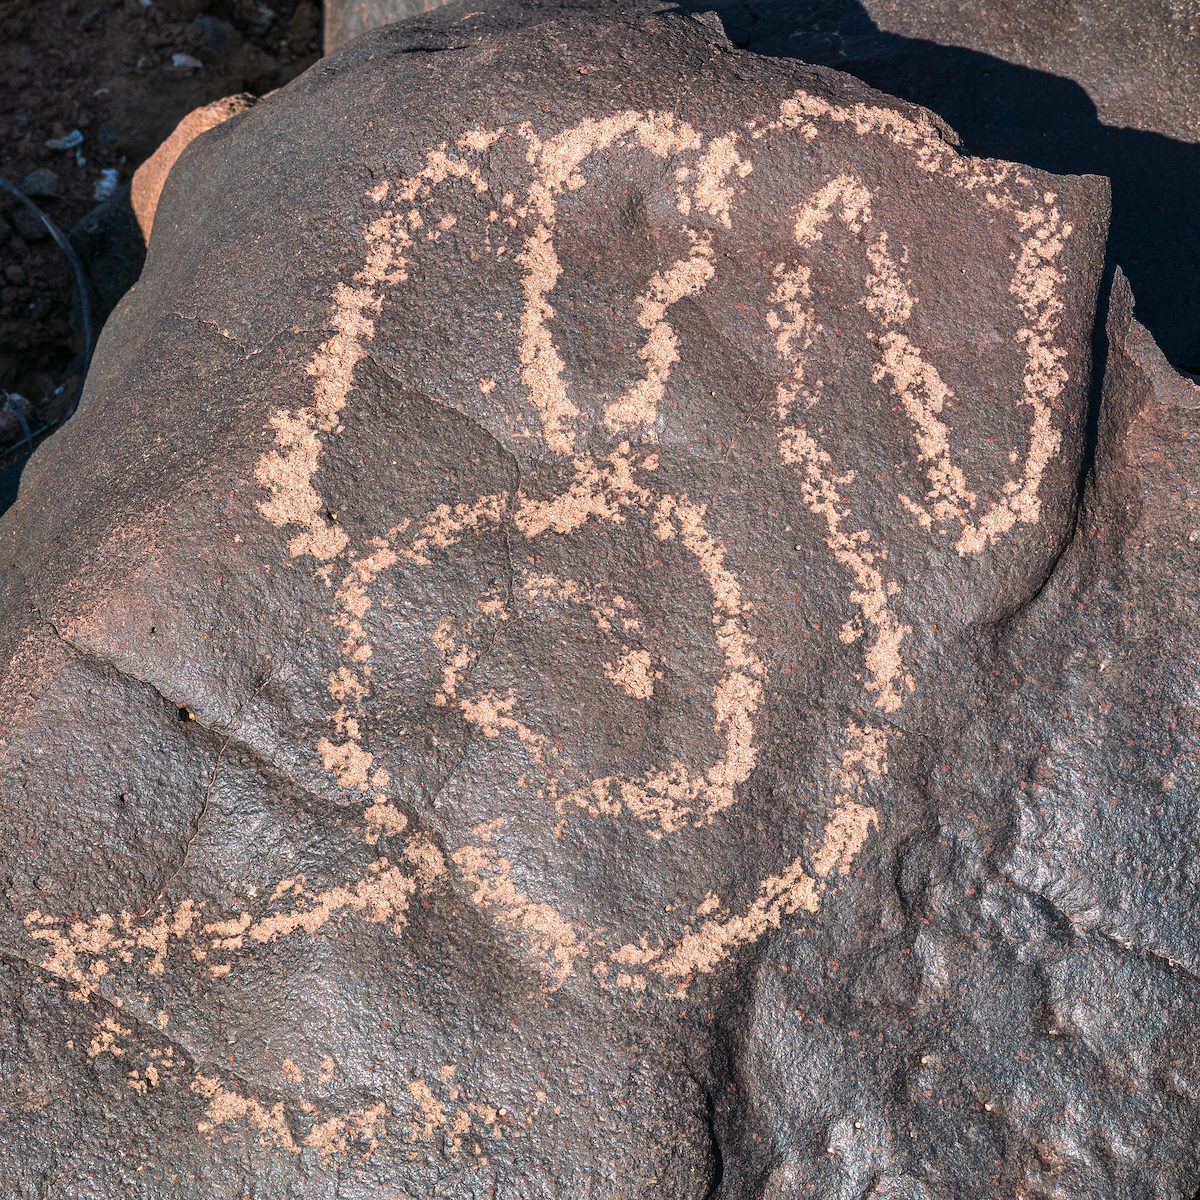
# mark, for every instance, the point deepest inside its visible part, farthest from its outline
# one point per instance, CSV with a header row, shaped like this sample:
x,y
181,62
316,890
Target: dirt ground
x,y
91,87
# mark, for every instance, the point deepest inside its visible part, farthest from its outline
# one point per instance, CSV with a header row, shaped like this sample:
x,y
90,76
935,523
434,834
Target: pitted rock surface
x,y
559,696
1072,86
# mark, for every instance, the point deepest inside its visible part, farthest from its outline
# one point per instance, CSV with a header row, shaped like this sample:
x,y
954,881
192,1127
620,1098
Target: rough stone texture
x,y
1073,86
149,178
1140,74
578,686
451,23
1036,975
1096,86
1093,723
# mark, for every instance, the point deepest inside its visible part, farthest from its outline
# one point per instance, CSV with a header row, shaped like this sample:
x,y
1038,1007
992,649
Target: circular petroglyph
x,y
596,523
619,490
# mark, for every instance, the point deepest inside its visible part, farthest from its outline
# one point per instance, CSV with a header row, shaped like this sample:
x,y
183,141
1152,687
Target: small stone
x,y
149,178
258,17
66,142
28,224
15,417
106,185
42,182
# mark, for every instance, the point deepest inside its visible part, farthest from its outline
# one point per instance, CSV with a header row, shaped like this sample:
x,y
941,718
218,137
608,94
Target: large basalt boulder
x,y
569,680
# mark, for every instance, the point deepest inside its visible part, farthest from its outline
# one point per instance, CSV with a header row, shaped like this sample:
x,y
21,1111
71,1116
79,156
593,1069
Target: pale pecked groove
x,y
612,489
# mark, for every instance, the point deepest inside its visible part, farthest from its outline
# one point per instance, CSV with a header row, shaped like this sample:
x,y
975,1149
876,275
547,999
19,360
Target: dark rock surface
x,y
1036,979
1079,86
1093,722
588,679
1072,86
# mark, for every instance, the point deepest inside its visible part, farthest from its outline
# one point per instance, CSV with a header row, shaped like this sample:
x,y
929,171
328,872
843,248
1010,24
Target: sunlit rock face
x,y
569,682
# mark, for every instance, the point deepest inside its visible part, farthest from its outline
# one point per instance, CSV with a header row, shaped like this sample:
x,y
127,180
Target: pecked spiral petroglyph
x,y
611,473
706,175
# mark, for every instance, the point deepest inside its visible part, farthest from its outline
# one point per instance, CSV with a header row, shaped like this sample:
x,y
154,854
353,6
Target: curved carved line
x,y
557,164
287,472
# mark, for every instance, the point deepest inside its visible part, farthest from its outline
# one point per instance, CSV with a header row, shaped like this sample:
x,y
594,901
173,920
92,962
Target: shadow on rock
x,y
1004,110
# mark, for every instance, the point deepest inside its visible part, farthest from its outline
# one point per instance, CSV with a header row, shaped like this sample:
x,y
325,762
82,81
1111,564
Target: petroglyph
x,y
600,492
553,942
558,166
609,461
614,487
291,1120
634,673
639,406
676,796
288,470
226,1104
1036,283
423,1112
108,954
82,953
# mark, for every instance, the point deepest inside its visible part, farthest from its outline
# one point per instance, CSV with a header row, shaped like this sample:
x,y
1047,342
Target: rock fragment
x,y
149,178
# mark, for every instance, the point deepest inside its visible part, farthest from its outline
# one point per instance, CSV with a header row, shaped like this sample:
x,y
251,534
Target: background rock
x,y
149,178
344,21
